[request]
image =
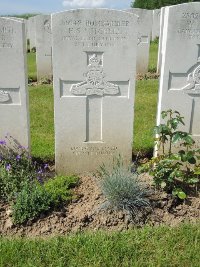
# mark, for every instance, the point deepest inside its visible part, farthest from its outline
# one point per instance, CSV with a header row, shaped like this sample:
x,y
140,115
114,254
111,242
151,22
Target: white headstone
x,y
13,81
144,37
180,70
94,60
32,32
156,24
43,46
162,14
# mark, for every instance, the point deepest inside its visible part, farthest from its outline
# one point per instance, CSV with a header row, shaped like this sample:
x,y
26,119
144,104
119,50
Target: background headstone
x,y
13,81
156,24
43,46
180,70
32,32
160,39
144,37
94,61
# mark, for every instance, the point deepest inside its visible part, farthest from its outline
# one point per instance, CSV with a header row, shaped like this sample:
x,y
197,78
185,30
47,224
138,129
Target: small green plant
x,y
30,202
124,191
174,171
59,189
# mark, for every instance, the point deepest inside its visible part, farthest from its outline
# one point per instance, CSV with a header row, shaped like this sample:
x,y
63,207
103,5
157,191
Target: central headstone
x,y
94,55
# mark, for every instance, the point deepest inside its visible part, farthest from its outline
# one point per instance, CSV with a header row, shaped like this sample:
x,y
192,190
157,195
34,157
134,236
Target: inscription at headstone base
x,y
13,81
94,55
180,70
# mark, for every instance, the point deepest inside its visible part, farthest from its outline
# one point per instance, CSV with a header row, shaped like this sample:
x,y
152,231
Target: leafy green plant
x,y
124,191
30,202
59,189
174,171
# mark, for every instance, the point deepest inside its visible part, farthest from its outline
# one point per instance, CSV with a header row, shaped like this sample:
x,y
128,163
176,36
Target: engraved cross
x,y
192,89
95,88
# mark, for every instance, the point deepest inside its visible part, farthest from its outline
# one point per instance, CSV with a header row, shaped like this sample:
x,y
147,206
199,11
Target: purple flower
x,y
40,171
18,157
2,142
46,166
8,167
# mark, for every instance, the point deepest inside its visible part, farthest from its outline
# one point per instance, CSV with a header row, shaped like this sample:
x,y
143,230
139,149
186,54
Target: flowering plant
x,y
16,168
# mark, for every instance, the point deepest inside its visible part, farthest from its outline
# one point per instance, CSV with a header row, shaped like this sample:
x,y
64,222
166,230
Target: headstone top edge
x,y
183,5
92,10
12,19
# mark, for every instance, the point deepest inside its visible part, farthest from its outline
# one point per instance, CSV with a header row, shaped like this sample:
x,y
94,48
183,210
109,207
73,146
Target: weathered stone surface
x,y
43,46
13,81
94,55
156,24
180,70
145,21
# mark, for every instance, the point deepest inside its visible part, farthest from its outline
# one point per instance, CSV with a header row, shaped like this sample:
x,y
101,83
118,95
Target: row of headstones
x,y
94,81
39,34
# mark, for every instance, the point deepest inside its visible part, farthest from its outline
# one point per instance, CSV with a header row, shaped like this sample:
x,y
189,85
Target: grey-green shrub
x,y
124,191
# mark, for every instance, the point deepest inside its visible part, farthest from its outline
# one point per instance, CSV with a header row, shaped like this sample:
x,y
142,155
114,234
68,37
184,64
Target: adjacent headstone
x,y
144,36
94,61
43,46
13,81
180,70
156,24
32,32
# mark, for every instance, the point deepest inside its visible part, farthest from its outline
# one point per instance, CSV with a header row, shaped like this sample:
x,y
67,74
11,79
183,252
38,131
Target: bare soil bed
x,y
87,212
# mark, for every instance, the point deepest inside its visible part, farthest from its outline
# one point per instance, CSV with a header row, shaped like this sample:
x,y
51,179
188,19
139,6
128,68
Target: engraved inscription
x,y
94,151
92,33
6,37
95,83
189,25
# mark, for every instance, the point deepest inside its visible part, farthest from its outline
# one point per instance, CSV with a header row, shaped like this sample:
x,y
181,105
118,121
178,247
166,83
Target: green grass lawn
x,y
31,62
153,57
42,121
145,115
148,247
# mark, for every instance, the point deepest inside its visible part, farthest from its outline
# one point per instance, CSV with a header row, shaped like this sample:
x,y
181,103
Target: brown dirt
x,y
87,213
